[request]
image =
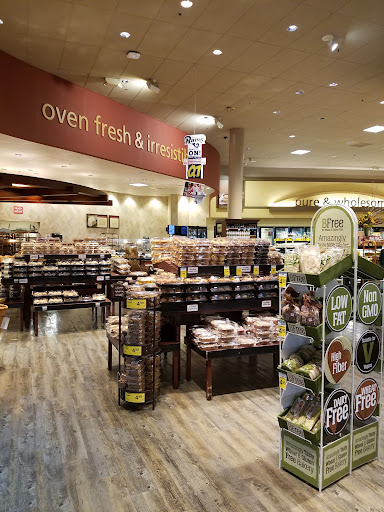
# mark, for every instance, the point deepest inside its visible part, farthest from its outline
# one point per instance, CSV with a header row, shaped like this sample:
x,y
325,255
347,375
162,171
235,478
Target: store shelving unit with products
x,y
346,403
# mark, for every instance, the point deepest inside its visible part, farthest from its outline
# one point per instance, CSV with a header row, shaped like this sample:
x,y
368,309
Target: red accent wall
x,y
23,91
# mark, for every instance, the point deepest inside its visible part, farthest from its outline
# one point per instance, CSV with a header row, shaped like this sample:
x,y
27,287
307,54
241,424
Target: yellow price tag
x,y
256,270
282,380
135,398
129,350
282,280
239,271
136,304
282,331
183,272
273,269
227,271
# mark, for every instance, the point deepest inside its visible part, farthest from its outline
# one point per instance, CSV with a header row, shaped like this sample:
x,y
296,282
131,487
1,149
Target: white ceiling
x,y
259,71
43,161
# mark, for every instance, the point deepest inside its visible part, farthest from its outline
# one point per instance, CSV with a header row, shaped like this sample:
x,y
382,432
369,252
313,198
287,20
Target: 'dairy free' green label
x,y
369,303
339,308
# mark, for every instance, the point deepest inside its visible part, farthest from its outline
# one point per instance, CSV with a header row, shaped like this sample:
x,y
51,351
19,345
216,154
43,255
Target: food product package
x,y
309,370
331,256
310,259
291,261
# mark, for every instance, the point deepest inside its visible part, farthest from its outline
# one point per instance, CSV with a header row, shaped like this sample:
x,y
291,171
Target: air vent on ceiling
x,y
360,144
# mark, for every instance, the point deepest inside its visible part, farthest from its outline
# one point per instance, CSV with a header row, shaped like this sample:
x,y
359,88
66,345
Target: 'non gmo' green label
x,y
369,303
339,308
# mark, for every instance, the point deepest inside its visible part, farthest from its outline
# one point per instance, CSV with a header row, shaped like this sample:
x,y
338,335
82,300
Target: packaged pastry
x,y
310,259
196,297
309,370
291,262
293,363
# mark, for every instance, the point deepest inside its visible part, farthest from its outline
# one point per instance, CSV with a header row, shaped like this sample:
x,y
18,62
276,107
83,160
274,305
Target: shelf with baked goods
x,y
55,279
222,306
50,257
219,270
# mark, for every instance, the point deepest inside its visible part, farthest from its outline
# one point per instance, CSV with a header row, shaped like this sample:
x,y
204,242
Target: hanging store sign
x,y
366,399
339,308
369,303
338,359
194,163
367,352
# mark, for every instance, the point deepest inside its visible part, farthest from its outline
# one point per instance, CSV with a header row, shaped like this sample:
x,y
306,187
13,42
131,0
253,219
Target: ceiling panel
x,y
193,44
78,58
88,33
157,42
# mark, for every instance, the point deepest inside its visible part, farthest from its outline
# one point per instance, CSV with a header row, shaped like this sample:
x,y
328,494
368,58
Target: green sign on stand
x,y
369,303
300,458
365,444
339,308
336,460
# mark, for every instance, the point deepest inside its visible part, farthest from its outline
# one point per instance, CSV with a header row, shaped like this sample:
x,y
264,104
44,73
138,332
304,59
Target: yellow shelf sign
x,y
282,280
282,329
282,380
256,270
135,398
273,269
130,350
183,272
239,271
227,271
136,304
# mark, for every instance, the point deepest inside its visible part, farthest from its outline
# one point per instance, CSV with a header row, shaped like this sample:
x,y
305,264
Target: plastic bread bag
x,y
306,353
312,414
331,256
293,363
310,259
290,311
298,406
311,311
310,370
291,261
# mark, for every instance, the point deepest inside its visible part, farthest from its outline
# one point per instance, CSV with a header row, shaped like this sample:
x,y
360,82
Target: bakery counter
x,y
272,348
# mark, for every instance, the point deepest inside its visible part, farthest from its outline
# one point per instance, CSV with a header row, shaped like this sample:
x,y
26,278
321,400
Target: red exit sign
x,y
17,209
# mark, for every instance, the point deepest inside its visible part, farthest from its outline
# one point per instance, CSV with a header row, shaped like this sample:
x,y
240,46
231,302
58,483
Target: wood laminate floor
x,y
65,445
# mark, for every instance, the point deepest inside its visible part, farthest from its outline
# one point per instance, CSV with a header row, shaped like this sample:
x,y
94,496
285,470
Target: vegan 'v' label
x,y
366,399
336,412
339,308
367,352
369,303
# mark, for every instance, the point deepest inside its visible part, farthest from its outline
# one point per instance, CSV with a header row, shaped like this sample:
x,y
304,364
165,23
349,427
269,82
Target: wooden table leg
x,y
109,355
36,322
208,379
176,364
21,317
189,363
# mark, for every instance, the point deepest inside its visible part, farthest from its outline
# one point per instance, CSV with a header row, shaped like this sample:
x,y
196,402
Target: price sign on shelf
x,y
227,271
273,269
33,256
282,328
44,308
23,281
266,303
256,270
135,398
192,308
136,304
183,272
282,280
193,270
130,350
282,380
82,256
99,278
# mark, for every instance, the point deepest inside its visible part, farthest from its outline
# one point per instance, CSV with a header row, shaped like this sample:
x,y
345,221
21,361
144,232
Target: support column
x,y
235,174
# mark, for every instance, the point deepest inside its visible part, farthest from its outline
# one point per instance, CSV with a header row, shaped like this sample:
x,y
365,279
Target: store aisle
x,y
65,445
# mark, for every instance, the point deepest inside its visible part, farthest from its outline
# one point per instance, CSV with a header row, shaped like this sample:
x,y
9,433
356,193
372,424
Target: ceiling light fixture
x,y
217,52
374,129
125,34
153,86
333,84
138,185
300,151
219,124
133,55
299,92
125,81
19,185
186,4
17,154
292,136
292,28
1,22
382,102
276,112
332,43
208,120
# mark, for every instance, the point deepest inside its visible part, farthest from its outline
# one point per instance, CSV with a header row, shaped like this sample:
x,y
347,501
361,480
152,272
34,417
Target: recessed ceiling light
x,y
217,52
19,185
3,168
374,129
125,81
276,112
1,22
300,151
299,92
292,136
322,118
292,28
207,120
17,154
333,84
333,156
186,4
90,174
334,46
138,185
63,166
382,102
125,34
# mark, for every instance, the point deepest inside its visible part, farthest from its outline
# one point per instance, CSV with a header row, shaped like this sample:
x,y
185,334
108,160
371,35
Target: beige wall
x,y
139,216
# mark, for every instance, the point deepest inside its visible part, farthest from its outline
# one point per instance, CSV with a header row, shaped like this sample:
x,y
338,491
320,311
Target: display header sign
x,y
334,226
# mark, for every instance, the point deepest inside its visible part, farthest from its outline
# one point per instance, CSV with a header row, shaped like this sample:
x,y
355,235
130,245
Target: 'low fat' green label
x,y
339,308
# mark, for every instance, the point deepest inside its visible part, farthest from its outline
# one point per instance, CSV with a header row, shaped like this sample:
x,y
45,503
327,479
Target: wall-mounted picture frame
x,y
97,221
114,222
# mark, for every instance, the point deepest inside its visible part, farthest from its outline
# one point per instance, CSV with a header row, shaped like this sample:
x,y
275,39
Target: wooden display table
x,y
216,354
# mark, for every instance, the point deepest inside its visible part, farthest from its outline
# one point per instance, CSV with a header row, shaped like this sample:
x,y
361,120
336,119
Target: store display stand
x,y
348,386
